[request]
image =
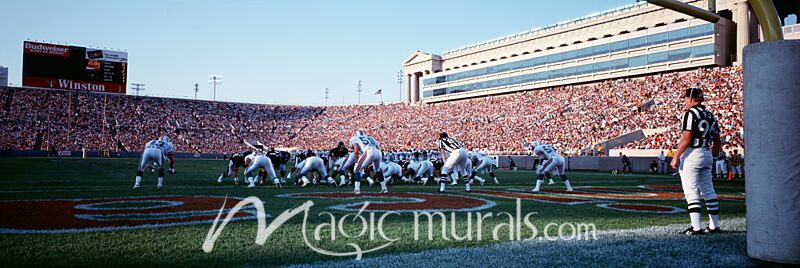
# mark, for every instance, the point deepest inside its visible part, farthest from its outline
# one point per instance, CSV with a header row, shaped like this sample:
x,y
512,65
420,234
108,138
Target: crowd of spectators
x,y
570,118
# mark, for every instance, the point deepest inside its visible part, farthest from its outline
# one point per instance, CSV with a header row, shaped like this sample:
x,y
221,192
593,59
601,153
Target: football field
x,y
83,212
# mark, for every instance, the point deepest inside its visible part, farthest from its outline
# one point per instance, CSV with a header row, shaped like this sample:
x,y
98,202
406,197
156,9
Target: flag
x,y
378,92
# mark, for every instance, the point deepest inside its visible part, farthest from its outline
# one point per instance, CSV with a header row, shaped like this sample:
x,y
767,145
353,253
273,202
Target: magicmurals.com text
x,y
447,226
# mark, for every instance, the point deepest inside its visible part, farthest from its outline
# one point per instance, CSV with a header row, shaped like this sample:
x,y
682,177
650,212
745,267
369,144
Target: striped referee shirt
x,y
702,124
449,144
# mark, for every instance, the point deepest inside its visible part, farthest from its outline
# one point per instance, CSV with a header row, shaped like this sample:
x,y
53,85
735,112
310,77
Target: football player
x,y
313,163
483,164
260,161
391,171
154,152
279,160
235,161
367,152
337,157
552,162
419,169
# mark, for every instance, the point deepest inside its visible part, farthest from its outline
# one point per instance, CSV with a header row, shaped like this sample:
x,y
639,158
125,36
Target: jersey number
x,y
369,141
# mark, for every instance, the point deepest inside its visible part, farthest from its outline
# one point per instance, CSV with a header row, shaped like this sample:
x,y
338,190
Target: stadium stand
x,y
572,118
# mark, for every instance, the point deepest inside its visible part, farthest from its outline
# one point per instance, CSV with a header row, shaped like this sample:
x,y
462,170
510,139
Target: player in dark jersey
x,y
279,160
697,150
235,161
336,159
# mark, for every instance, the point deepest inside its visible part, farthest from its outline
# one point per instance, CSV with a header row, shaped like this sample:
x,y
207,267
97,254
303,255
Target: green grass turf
x,y
41,178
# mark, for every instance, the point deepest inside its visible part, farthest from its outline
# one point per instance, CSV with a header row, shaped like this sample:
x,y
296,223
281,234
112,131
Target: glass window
x,y
601,49
570,55
619,46
679,34
584,69
637,61
585,52
601,66
637,42
555,58
702,30
656,38
679,54
569,71
619,64
702,51
658,57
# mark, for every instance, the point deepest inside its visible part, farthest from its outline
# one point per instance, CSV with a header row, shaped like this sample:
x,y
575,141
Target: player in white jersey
x,y
367,152
313,163
419,169
391,170
169,153
457,161
154,152
483,164
552,162
259,161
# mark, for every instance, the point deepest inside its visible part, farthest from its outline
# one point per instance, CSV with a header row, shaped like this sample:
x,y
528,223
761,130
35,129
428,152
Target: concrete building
x,y
634,40
3,76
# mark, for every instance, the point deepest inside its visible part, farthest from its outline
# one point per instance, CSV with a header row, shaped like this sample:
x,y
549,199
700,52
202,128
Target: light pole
x,y
400,83
137,87
196,88
358,89
215,80
326,96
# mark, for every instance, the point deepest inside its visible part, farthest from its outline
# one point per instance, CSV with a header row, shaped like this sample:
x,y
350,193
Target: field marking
x,y
655,246
405,197
79,215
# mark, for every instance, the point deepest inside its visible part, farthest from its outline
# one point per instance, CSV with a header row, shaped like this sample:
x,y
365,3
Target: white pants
x,y
555,166
151,154
347,162
695,171
721,168
391,169
485,165
424,169
312,164
457,162
261,161
370,156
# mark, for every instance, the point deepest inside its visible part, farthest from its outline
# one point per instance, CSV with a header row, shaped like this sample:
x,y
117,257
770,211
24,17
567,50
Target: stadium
x,y
559,145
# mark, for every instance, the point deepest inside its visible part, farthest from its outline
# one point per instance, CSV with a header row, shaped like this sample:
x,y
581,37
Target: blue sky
x,y
284,52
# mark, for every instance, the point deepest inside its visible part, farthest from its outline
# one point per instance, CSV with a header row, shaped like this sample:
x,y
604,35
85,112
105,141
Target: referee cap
x,y
694,92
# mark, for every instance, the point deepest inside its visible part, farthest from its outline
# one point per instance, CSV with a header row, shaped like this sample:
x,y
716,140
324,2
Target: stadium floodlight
x,y
215,80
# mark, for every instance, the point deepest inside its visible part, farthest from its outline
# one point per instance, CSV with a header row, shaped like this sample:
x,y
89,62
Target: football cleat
x,y
495,181
712,231
691,232
384,191
535,190
551,182
136,186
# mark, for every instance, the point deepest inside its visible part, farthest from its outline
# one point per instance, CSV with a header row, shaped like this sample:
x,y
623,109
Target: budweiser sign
x,y
46,49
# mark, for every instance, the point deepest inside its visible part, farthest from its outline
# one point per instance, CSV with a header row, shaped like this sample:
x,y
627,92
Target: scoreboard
x,y
74,68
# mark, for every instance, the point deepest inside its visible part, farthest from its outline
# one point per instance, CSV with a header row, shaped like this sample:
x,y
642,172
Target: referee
x,y
699,132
